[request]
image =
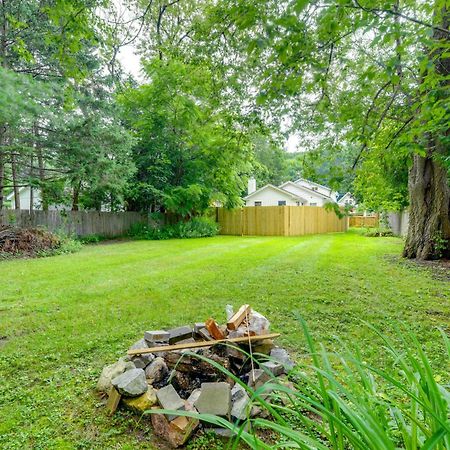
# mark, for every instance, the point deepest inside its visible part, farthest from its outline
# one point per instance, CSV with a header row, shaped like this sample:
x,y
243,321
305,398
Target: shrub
x,y
338,401
379,232
92,239
195,228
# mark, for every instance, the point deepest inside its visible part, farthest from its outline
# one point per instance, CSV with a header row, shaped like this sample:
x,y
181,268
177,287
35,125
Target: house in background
x,y
291,193
25,198
347,199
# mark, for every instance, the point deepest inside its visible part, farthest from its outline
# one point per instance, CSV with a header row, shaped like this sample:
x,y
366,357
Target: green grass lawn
x,y
63,318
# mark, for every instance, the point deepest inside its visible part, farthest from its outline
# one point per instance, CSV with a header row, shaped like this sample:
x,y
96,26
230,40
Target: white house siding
x,y
270,197
347,199
24,195
306,194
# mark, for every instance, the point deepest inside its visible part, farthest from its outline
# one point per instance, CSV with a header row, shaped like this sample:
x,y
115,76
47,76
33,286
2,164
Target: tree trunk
x,y
429,191
14,181
31,186
429,224
2,168
44,196
76,197
2,177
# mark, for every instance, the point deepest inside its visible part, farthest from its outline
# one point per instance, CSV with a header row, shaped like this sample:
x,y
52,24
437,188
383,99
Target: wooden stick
x,y
169,348
237,318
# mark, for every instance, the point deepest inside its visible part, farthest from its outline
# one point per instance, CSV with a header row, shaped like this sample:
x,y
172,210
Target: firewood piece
x,y
113,401
213,329
238,317
169,348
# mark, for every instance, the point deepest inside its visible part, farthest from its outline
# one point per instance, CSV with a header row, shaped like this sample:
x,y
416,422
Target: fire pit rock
x,y
131,383
166,373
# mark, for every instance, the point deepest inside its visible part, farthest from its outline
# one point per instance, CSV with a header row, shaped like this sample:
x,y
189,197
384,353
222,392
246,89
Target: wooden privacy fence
x,y
363,221
80,223
279,221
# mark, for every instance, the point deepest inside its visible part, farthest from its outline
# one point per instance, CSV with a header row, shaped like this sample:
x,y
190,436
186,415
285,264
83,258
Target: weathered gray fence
x,y
80,223
399,222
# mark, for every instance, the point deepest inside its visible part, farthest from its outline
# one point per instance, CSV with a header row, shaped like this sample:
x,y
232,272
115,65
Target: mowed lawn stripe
x,y
65,317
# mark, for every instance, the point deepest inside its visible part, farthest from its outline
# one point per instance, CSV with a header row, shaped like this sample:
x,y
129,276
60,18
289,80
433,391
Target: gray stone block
x,y
157,370
168,398
142,361
131,383
156,336
257,378
198,326
195,394
240,402
215,398
204,333
142,343
113,371
180,333
275,368
282,356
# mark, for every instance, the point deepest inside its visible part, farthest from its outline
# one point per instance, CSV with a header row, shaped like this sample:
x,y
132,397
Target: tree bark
x,y
429,191
429,223
76,197
15,183
2,168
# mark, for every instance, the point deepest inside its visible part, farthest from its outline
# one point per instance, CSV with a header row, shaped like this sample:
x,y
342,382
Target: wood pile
x,y
26,241
177,370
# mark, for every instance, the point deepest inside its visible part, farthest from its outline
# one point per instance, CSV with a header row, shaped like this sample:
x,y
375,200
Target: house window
x,y
313,204
258,203
299,203
314,188
281,202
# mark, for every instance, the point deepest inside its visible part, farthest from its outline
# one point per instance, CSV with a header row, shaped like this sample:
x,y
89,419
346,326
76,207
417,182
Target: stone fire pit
x,y
164,371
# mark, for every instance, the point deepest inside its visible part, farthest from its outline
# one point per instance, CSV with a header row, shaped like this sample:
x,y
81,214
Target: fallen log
x,y
168,348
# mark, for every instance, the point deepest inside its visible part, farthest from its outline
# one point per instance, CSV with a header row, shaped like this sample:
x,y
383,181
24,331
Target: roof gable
x,y
277,189
305,189
314,184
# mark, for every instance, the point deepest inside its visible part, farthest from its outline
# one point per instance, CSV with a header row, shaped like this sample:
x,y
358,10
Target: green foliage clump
x,y
197,227
378,232
92,239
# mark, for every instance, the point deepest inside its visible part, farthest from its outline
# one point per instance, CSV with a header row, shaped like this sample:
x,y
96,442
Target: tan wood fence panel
x,y
279,221
80,223
364,221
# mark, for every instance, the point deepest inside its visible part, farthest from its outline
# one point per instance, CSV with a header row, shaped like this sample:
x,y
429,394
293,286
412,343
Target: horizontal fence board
x,y
279,221
363,221
80,223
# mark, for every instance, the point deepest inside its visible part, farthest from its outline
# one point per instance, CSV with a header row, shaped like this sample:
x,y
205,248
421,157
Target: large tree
x,y
190,151
370,73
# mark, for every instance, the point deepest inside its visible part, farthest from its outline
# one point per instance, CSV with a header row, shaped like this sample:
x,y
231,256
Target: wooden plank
x,y
238,317
213,329
169,348
113,401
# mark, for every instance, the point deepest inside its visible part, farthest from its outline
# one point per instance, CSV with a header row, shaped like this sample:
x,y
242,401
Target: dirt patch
x,y
440,269
26,242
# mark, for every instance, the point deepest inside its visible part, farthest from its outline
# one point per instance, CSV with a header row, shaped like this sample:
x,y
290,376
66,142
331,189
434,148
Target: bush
x,y
92,239
195,228
339,402
379,232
